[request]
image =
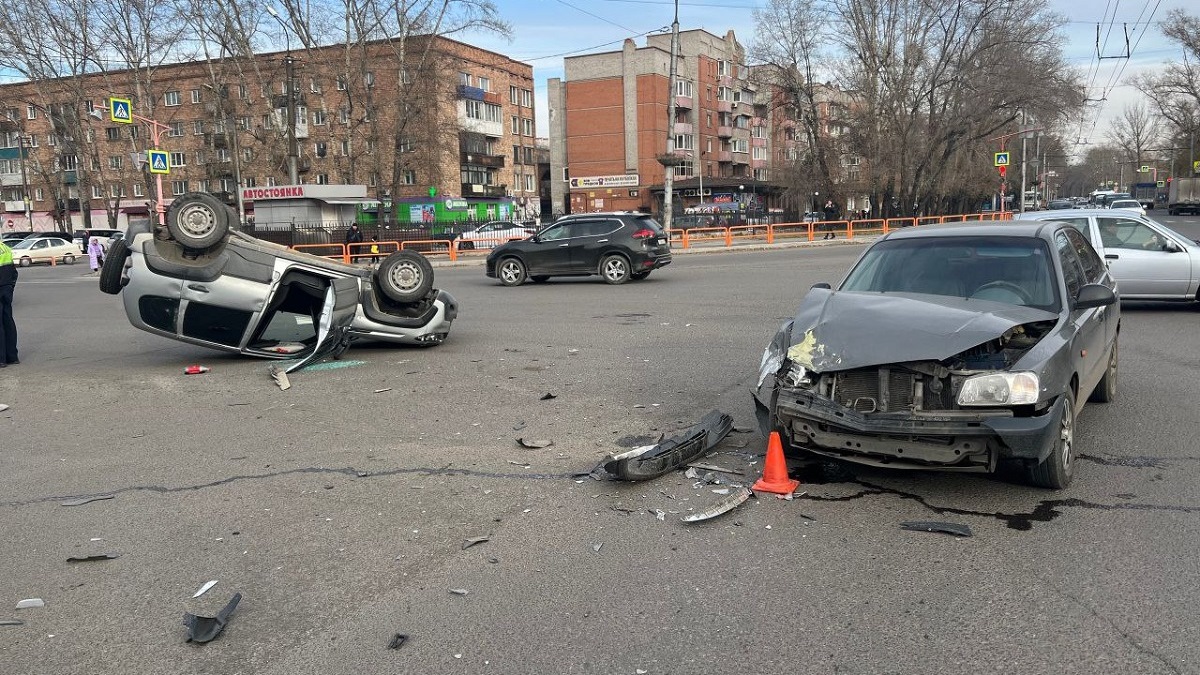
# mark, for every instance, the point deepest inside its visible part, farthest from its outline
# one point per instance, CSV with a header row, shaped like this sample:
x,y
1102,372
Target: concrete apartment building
x,y
454,131
608,135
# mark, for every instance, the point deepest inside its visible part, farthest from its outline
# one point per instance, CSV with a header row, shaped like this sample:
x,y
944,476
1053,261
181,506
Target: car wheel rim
x,y
510,272
406,276
1067,437
614,269
197,220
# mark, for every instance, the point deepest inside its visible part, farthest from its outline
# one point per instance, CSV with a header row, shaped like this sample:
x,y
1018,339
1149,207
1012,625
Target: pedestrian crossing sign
x,y
121,110
159,163
1001,159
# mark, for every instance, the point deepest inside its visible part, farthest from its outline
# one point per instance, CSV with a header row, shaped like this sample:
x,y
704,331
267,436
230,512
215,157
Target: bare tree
x,y
1175,89
1134,132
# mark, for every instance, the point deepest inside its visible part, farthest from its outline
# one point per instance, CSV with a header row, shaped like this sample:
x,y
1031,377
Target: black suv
x,y
617,246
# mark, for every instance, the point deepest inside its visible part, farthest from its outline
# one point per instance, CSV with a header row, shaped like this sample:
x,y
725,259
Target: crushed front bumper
x,y
956,440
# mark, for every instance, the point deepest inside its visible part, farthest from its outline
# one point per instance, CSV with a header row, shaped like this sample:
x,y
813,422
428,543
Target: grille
x,y
860,390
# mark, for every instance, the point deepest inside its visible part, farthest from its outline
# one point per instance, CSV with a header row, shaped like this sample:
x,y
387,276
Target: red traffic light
x,y
1003,170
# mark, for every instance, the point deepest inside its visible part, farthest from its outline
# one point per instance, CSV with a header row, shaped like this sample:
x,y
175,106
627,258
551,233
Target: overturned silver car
x,y
200,281
950,348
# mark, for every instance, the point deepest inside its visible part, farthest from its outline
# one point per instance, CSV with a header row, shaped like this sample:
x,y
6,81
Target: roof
x,y
1064,213
988,229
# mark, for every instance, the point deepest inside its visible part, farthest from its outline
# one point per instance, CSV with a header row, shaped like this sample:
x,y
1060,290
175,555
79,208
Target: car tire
x,y
113,268
198,221
511,271
615,269
540,278
1106,389
26,262
638,276
405,277
68,259
1056,470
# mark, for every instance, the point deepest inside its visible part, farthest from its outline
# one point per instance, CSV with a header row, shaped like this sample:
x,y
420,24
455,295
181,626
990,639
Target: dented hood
x,y
841,330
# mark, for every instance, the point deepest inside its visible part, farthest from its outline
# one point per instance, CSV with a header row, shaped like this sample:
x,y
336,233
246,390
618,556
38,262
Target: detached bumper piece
x,y
671,452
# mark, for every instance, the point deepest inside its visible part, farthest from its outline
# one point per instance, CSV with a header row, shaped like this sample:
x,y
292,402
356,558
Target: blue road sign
x,y
1001,159
121,110
159,162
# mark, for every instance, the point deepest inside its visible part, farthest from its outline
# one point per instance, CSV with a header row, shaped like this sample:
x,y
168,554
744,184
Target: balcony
x,y
480,159
725,80
70,177
684,128
684,102
758,164
477,190
472,93
10,180
758,142
725,132
492,97
741,158
724,106
724,156
477,126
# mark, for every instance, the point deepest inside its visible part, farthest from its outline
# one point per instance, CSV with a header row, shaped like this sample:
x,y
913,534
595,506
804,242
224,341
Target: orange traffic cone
x,y
775,476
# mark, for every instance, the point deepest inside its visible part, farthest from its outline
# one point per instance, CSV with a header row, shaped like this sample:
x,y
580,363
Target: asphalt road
x,y
339,508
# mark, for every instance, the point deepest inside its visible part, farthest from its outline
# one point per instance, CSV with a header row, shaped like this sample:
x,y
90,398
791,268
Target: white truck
x,y
1184,196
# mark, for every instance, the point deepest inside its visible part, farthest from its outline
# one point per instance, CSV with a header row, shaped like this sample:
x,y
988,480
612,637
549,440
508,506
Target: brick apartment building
x,y
608,120
453,126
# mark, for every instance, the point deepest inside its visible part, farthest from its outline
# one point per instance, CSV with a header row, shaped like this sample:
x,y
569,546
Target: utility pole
x,y
669,167
289,63
1023,143
24,177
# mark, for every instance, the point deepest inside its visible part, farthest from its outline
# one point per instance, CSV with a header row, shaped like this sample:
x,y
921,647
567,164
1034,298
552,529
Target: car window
x,y
1128,234
1072,272
650,222
599,228
1093,266
41,243
555,232
1014,270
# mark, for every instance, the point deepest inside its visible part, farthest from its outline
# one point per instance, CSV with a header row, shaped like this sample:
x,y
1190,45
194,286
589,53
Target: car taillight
x,y
644,233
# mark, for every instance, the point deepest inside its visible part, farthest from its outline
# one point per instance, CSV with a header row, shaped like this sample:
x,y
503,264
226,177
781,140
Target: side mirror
x,y
1095,295
823,284
1171,247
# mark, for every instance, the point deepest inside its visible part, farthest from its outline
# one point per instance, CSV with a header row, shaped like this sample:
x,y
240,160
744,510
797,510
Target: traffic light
x,y
1003,170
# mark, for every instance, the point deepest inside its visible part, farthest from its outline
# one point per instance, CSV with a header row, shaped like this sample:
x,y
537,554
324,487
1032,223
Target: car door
x,y
222,312
1088,325
341,304
595,238
550,252
1140,262
1096,272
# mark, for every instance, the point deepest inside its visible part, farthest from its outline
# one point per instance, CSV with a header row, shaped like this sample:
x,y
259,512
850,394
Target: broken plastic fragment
x,y
205,588
11,622
92,558
459,591
956,529
206,628
31,603
660,514
597,547
86,500
672,452
724,506
535,444
280,378
397,641
548,396
474,540
3,407
380,391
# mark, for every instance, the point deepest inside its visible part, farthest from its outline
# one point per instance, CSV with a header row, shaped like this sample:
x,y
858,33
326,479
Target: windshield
x,y
24,244
1013,270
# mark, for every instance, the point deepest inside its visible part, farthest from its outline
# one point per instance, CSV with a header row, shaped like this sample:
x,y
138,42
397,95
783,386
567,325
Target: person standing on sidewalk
x,y
831,214
353,236
8,329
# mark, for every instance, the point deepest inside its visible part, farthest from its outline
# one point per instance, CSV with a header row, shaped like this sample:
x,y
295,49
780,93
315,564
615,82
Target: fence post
x,y
346,253
453,249
728,237
770,233
849,229
685,239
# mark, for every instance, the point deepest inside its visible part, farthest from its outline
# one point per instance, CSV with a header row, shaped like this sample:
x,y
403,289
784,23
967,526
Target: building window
x,y
683,170
527,127
138,190
740,145
38,195
685,142
529,156
406,145
527,98
758,152
196,96
116,191
408,177
683,88
95,162
198,157
566,174
243,92
321,149
319,118
341,83
98,192
373,179
474,109
485,83
344,115
405,77
30,112
369,80
171,98
758,132
178,187
513,95
322,179
116,162
247,154
463,78
222,154
271,182
51,140
176,129
345,149
243,122
314,86
516,154
724,68
516,125
529,183
134,132
250,181
178,159
198,127
268,122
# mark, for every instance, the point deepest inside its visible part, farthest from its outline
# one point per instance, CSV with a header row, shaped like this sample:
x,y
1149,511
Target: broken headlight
x,y
994,389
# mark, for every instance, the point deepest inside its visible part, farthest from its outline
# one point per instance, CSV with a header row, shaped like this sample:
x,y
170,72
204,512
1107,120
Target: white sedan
x,y
490,235
1128,204
45,250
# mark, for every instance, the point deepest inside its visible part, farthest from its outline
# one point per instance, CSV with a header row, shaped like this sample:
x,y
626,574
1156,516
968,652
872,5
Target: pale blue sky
x,y
545,29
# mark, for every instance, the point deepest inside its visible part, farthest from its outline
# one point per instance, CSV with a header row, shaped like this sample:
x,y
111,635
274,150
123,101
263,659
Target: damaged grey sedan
x,y
951,347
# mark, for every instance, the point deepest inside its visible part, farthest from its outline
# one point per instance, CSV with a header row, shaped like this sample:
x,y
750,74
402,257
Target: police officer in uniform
x,y
8,329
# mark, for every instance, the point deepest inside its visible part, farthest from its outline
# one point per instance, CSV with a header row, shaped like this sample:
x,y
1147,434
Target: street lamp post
x,y
289,64
156,129
24,179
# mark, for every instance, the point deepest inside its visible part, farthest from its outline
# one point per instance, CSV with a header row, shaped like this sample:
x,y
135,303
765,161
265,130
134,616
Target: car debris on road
x,y
671,452
203,629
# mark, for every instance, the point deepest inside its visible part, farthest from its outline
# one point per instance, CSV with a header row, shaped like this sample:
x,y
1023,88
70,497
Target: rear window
x,y
1014,270
650,222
